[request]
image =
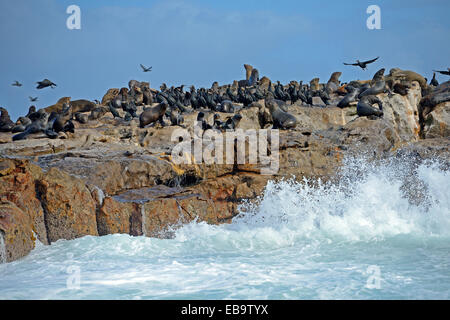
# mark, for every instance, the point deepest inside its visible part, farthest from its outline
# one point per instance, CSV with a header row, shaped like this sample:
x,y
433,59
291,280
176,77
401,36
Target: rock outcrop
x,y
111,176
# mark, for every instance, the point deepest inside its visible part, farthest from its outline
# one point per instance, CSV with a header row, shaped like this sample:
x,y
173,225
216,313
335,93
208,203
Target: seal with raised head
x,y
248,71
334,83
378,76
281,119
6,125
314,84
365,107
150,115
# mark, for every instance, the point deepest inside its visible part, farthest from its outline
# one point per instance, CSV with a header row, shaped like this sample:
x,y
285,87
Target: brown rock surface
x,y
69,208
17,185
16,231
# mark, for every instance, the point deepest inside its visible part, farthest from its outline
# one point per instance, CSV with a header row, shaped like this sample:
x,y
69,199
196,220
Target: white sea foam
x,y
2,248
301,240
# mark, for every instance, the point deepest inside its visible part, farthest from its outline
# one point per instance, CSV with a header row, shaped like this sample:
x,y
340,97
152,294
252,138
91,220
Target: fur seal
x,y
147,96
176,118
396,73
365,107
334,83
82,105
281,119
248,71
136,95
314,84
21,124
109,95
227,106
264,83
349,97
378,76
113,111
378,87
254,77
6,125
97,113
401,89
39,125
81,117
150,115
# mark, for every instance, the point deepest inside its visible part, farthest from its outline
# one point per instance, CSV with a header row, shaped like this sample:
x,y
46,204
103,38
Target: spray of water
x,y
365,201
2,248
307,239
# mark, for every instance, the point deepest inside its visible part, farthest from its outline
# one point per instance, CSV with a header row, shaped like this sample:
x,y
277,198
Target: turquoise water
x,y
378,233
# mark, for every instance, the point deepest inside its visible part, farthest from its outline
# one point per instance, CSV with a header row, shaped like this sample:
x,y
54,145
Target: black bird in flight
x,y
362,65
145,69
447,73
16,84
33,99
45,83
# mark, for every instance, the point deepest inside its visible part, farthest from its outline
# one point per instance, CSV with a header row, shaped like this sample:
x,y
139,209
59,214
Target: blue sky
x,y
201,41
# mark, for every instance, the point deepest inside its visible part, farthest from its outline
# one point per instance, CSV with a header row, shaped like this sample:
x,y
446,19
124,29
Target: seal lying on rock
x,y
81,117
365,107
281,119
39,125
150,115
350,97
378,87
401,89
98,113
21,124
82,106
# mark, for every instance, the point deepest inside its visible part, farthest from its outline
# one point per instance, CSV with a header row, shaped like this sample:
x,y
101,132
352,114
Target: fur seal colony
x,y
170,105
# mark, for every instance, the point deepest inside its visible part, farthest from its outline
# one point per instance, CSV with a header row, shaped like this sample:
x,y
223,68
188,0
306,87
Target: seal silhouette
x,y
281,119
150,115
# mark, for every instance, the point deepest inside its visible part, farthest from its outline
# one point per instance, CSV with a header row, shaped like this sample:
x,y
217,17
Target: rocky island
x,y
103,168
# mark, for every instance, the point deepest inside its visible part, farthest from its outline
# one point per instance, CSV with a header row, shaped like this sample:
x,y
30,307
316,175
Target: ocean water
x,y
380,231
